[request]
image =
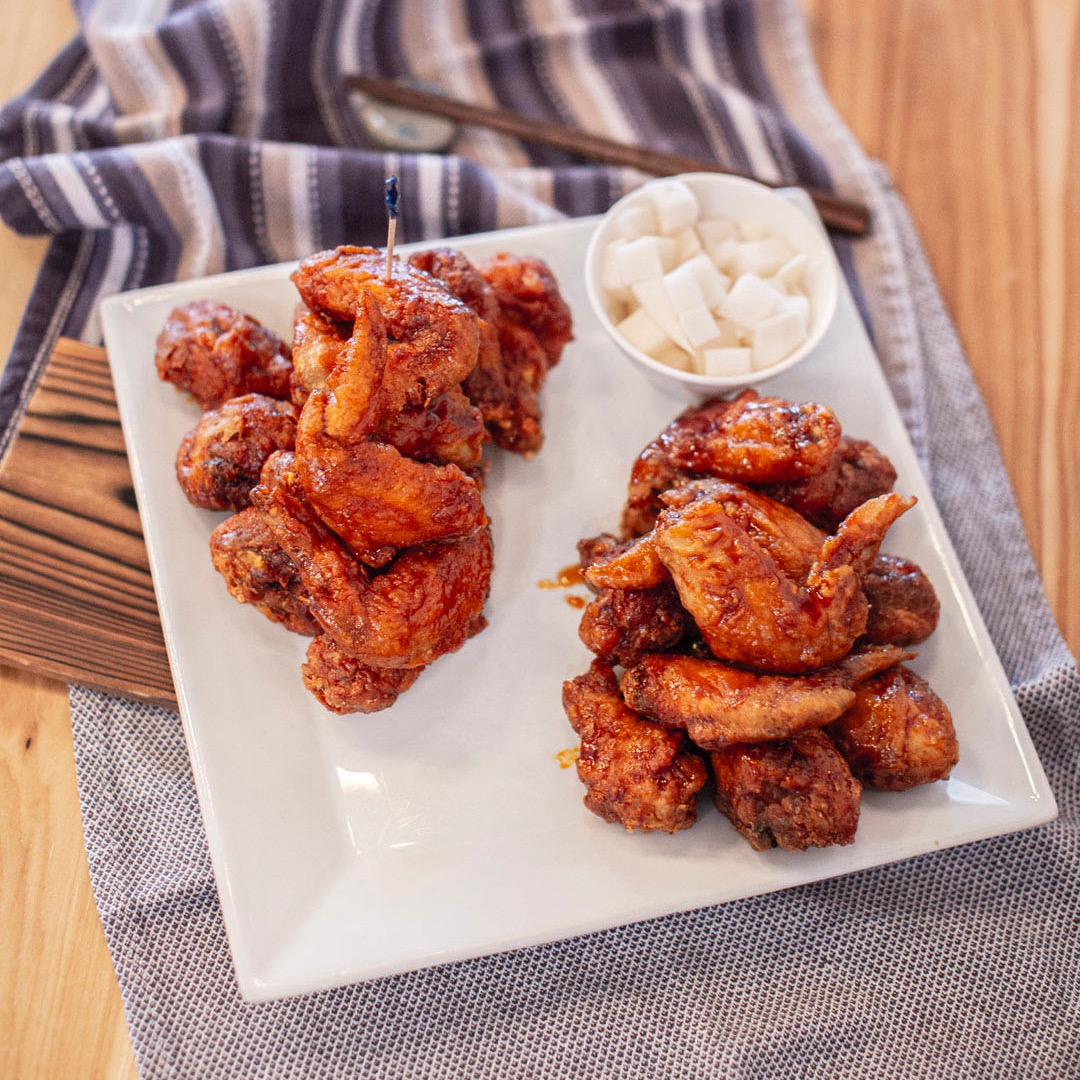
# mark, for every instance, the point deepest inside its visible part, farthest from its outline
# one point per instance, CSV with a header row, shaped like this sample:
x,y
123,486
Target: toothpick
x,y
391,224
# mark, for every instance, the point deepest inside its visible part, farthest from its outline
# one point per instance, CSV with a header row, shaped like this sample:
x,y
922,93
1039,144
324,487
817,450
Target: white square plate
x,y
347,848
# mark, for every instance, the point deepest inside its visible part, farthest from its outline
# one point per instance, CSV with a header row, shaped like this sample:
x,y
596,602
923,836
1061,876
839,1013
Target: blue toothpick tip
x,y
392,197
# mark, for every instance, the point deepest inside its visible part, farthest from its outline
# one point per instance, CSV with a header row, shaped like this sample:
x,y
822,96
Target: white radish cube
x,y
727,361
728,335
635,221
675,204
751,301
792,275
669,252
674,357
687,244
640,260
800,305
752,229
724,254
762,257
777,337
713,284
653,296
698,325
713,231
683,288
611,279
642,331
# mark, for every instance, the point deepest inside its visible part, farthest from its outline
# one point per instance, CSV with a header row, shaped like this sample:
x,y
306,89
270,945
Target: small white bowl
x,y
742,200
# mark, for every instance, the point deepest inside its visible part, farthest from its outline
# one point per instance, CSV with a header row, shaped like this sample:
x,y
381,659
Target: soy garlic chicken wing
x,y
898,733
635,772
215,353
748,439
793,794
450,431
427,602
344,684
258,572
434,337
747,609
370,494
904,607
219,460
717,704
856,472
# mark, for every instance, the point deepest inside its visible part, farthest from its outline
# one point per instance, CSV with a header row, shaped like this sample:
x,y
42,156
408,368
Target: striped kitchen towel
x,y
177,139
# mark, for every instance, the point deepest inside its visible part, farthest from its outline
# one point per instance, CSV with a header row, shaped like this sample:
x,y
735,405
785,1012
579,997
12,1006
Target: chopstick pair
x,y
841,215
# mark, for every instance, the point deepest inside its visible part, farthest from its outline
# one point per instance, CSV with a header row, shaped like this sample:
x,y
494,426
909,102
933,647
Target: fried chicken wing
x,y
904,607
258,572
898,733
429,601
346,685
856,472
219,460
793,794
748,610
215,352
635,772
317,347
747,438
435,336
717,704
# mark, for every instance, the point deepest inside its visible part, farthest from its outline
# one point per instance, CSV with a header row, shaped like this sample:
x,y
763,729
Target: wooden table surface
x,y
974,108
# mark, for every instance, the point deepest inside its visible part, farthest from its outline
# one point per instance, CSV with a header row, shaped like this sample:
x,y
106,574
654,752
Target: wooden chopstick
x,y
839,214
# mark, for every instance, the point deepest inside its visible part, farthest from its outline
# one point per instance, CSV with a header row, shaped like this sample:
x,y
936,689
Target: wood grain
x,y
973,107
76,598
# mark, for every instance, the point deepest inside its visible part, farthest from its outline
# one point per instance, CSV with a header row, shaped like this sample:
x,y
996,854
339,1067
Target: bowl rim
x,y
824,317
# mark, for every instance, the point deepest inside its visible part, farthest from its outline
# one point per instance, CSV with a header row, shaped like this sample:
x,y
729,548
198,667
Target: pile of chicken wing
x,y
353,459
749,634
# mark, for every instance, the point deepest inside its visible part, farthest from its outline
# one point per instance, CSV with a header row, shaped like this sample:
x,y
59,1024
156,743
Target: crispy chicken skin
x,y
898,733
344,684
793,794
857,471
718,704
747,438
747,609
904,607
635,772
317,346
427,602
215,352
219,460
258,572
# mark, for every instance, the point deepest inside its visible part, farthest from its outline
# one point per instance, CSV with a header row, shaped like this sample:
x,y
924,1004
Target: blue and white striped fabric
x,y
176,139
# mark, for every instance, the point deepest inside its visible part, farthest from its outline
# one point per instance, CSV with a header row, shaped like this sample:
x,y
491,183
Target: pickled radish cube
x,y
750,301
752,229
642,331
792,275
728,361
728,336
633,222
611,278
687,243
676,206
762,257
641,260
683,288
798,304
778,337
653,296
698,324
713,231
724,254
672,356
713,284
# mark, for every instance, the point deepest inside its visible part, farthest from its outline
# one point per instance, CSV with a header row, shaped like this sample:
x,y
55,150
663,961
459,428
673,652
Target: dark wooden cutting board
x,y
76,598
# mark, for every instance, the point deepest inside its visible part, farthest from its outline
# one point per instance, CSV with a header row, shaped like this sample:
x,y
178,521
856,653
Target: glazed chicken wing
x,y
215,353
898,733
258,572
904,607
635,772
717,704
220,459
793,794
344,684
